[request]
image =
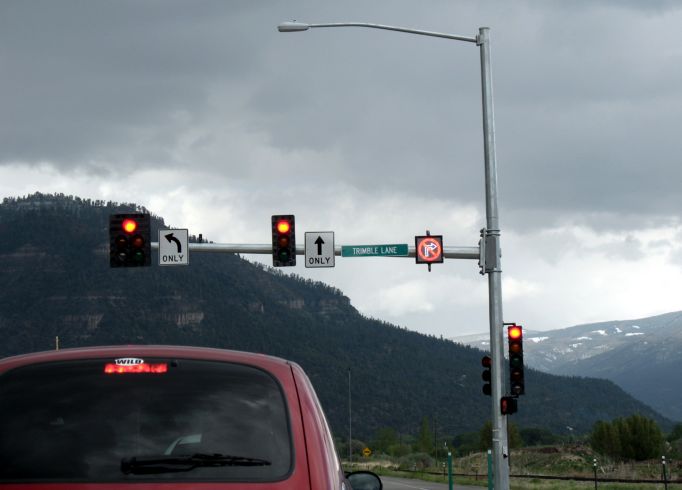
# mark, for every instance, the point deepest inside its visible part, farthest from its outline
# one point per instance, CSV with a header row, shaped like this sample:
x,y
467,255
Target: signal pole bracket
x,y
489,251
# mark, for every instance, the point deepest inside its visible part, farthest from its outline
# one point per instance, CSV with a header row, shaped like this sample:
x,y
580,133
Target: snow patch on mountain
x,y
600,332
537,339
633,334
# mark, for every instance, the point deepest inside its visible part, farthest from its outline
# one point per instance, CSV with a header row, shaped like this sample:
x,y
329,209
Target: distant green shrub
x,y
416,461
538,437
635,437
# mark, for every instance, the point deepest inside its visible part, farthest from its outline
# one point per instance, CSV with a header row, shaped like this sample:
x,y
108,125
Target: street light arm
x,y
301,26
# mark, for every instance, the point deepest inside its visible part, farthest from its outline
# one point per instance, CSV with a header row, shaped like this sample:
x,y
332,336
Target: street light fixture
x,y
490,236
292,27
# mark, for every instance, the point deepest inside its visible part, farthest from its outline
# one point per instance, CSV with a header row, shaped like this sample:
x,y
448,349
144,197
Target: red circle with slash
x,y
430,249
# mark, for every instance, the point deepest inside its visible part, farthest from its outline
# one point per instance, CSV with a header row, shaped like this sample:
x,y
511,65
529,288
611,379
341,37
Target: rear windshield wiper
x,y
145,465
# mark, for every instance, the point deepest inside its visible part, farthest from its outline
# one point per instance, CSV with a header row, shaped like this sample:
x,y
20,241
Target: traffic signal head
x,y
508,405
129,240
283,240
487,363
516,374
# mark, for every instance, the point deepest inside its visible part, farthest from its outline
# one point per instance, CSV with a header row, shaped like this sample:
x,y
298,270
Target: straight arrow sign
x,y
319,249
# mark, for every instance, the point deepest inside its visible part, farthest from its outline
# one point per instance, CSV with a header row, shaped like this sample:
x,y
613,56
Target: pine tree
x,y
425,439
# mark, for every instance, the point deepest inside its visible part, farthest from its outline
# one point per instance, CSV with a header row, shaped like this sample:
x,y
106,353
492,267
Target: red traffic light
x,y
508,405
514,332
129,225
283,226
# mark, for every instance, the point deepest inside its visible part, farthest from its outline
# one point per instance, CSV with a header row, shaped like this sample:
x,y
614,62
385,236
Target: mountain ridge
x,y
643,356
54,265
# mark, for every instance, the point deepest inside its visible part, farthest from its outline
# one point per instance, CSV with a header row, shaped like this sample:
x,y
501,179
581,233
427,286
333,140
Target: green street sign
x,y
399,250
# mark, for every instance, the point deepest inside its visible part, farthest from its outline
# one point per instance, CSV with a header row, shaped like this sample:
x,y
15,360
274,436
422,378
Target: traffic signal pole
x,y
493,268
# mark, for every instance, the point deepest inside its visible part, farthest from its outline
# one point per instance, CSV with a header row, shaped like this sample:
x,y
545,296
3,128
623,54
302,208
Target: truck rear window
x,y
142,420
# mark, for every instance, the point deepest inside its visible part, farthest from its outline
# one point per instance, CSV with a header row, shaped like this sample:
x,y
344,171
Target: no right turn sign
x,y
429,249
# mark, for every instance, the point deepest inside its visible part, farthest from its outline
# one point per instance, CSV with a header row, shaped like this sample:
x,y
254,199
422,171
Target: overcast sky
x,y
205,114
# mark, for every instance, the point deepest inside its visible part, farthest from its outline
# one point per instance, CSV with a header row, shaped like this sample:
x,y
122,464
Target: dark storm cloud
x,y
587,96
83,79
587,116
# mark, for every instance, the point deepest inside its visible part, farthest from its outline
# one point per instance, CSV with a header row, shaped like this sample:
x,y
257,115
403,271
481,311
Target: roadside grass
x,y
381,471
526,484
538,484
569,461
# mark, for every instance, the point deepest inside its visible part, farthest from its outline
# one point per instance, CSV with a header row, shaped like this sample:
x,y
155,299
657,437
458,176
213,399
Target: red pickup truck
x,y
164,418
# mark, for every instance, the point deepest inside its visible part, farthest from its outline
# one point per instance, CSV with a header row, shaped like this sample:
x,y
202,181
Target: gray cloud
x,y
587,97
105,80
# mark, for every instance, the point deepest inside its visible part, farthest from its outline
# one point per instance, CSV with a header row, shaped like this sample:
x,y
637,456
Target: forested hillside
x,y
56,281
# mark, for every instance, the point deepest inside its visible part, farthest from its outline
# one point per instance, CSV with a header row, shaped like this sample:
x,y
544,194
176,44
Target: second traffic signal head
x,y
508,405
283,240
487,363
516,374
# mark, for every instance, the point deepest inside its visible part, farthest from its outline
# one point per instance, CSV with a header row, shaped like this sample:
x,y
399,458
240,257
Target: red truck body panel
x,y
315,462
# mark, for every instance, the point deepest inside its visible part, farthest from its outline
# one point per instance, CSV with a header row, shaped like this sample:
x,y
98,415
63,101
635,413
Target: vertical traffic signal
x,y
129,240
486,362
508,405
283,240
516,375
